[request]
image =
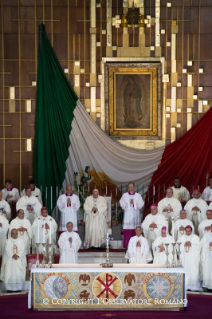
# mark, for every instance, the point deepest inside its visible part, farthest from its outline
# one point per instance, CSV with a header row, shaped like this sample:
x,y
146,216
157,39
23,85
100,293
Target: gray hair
x,y
69,223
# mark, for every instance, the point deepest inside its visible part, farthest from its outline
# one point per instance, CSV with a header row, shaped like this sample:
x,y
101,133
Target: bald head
x,y
14,233
196,194
68,189
169,192
182,214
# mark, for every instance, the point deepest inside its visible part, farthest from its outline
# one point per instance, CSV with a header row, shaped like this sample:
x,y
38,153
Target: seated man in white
x,y
190,256
69,244
13,269
4,226
207,193
180,192
5,209
152,224
138,251
159,248
205,225
35,191
24,229
10,193
178,227
206,260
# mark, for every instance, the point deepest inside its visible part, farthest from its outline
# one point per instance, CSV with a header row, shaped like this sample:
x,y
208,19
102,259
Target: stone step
x,y
96,257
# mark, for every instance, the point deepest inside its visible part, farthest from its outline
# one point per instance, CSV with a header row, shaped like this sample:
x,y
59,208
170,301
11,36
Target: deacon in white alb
x,y
207,193
10,193
24,229
29,204
159,248
68,204
69,244
196,209
152,224
44,230
131,203
35,191
95,208
170,207
180,192
5,209
205,225
190,256
206,260
13,269
4,226
138,251
178,227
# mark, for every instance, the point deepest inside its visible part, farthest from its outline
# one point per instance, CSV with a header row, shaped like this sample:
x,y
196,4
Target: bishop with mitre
x,y
178,227
159,247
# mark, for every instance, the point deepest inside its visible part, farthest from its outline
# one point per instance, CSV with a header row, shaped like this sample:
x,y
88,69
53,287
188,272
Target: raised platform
x,y
86,256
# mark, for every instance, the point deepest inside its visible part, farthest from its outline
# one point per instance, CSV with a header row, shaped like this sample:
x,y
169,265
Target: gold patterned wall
x,y
85,35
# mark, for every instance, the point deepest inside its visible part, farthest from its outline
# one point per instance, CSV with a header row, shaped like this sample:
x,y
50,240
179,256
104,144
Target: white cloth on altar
x,y
68,213
132,214
68,251
202,225
160,257
138,255
31,201
181,193
14,191
13,272
174,204
26,236
180,222
36,192
41,235
4,206
206,260
3,233
95,223
149,234
207,194
191,260
200,216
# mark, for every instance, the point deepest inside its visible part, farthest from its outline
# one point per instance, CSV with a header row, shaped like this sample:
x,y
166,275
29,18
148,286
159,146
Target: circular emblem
x,y
56,286
107,286
158,286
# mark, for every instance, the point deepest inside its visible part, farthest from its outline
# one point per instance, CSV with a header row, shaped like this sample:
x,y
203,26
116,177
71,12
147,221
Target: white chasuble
x,y
29,202
181,193
202,225
207,194
68,250
170,203
132,214
5,207
25,235
3,232
12,191
36,193
68,212
196,216
176,233
160,257
206,260
151,233
138,255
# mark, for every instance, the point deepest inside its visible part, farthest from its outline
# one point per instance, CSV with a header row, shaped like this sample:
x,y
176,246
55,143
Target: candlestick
x,y
50,256
173,253
167,256
44,257
44,230
37,261
107,264
179,256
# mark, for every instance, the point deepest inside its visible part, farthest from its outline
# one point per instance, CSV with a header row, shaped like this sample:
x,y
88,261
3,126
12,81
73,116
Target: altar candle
x,y
38,231
50,231
154,190
44,237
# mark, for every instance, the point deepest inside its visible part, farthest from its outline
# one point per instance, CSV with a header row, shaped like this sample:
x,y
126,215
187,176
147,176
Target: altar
x,y
91,287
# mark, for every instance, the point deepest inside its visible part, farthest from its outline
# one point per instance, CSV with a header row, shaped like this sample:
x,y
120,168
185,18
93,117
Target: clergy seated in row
x,y
95,208
24,229
13,268
44,230
190,256
207,193
4,226
196,209
206,225
169,207
68,205
180,192
5,209
29,204
206,260
178,228
69,244
35,191
131,202
10,193
159,248
138,251
152,224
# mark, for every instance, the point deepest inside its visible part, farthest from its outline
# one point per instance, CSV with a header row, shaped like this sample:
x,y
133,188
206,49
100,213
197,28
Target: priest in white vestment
x,y
207,193
35,191
159,247
178,227
190,256
30,205
206,260
24,228
5,209
170,207
138,251
180,192
10,193
152,224
196,209
13,268
4,226
95,208
68,205
69,244
44,230
131,202
206,224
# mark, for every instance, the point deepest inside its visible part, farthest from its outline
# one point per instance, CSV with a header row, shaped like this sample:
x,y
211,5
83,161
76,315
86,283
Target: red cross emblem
x,y
107,284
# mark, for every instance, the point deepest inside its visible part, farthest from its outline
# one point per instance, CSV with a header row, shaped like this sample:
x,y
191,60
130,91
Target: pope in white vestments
x,y
69,244
206,260
159,247
170,207
4,226
5,209
207,193
205,225
24,228
138,251
196,209
180,192
68,204
178,227
30,205
131,203
13,269
190,256
152,224
95,208
44,230
10,193
35,191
